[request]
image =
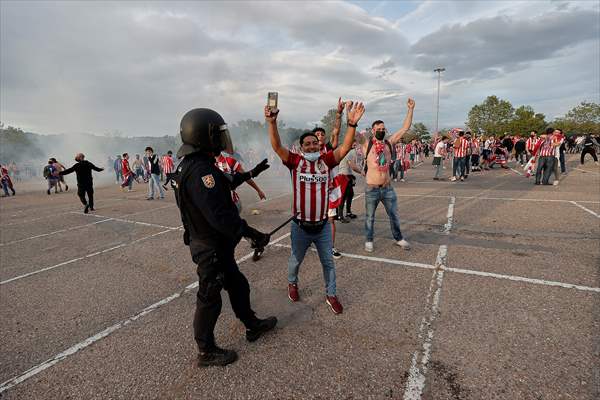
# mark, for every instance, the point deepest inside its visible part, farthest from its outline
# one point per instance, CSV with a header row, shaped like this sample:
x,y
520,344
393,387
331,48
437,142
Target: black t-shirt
x,y
83,170
520,146
508,143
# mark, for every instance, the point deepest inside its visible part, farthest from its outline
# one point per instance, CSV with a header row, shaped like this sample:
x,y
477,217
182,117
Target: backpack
x,y
47,171
369,149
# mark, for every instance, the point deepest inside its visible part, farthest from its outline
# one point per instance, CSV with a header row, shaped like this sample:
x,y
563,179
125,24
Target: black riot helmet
x,y
203,130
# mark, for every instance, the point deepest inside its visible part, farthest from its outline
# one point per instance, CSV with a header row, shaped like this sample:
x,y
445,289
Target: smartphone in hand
x,y
272,101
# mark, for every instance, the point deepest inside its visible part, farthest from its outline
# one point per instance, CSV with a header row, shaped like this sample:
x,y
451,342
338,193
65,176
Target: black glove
x,y
258,240
260,167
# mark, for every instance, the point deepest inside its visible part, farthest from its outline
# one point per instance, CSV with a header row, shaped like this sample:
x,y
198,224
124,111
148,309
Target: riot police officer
x,y
213,228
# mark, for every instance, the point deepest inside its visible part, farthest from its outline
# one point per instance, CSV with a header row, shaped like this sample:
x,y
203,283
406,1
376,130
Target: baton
x,y
258,251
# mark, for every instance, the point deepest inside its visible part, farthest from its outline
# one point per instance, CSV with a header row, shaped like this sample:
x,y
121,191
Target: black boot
x,y
260,326
216,357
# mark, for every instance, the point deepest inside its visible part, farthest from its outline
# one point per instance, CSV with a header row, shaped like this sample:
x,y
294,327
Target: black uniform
x,y
213,228
83,170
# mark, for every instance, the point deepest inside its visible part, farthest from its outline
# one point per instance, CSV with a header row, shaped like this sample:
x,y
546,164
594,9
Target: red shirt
x,y
310,185
125,167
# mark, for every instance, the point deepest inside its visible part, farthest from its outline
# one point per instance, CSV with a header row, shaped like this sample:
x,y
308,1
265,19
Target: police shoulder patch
x,y
209,181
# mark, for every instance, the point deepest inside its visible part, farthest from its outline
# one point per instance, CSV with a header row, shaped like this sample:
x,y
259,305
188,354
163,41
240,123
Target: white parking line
x,y
585,209
55,232
418,370
515,171
111,329
84,257
523,279
449,216
130,221
496,198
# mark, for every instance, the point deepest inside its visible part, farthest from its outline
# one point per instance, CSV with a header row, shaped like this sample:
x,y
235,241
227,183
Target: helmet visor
x,y
225,139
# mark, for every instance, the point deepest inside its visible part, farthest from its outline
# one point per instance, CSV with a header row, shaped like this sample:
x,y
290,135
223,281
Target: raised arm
x,y
271,120
395,138
354,112
335,133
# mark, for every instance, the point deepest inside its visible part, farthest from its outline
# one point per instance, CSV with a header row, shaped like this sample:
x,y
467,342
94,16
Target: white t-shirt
x,y
439,149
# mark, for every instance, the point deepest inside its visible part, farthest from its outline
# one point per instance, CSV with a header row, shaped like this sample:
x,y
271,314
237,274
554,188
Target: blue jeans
x,y
387,196
301,240
154,179
459,164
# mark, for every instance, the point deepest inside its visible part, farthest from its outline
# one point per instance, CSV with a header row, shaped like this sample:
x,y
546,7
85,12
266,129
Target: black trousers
x,y
214,274
347,197
591,150
82,191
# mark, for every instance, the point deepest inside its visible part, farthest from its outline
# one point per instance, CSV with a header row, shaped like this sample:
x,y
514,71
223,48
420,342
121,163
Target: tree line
x,y
498,117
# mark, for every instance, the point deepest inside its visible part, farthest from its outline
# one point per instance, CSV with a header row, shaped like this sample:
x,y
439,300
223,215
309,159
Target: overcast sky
x,y
137,67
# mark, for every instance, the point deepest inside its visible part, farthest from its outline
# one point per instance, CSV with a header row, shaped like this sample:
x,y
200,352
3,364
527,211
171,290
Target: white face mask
x,y
312,157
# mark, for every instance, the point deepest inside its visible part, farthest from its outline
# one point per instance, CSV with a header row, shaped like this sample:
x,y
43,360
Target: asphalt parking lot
x,y
497,299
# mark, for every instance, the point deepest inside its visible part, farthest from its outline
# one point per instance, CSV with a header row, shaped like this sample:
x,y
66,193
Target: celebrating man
x,y
311,175
378,155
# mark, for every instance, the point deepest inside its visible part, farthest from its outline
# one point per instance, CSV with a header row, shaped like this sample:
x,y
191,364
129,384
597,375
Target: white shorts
x,y
332,212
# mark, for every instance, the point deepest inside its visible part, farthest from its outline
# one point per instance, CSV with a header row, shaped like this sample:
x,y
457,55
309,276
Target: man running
x,y
83,170
588,147
378,155
310,173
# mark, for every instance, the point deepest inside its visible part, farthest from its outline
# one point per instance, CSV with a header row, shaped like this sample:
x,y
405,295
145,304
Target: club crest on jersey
x,y
208,181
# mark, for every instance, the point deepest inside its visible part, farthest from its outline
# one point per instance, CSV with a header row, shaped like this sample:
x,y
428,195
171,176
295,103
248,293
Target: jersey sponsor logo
x,y
208,181
313,178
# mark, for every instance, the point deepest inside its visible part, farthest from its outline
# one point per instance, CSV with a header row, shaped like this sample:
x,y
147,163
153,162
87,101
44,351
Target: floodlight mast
x,y
439,71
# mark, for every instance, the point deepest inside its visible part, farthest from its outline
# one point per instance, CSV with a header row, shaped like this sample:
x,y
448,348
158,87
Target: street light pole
x,y
437,114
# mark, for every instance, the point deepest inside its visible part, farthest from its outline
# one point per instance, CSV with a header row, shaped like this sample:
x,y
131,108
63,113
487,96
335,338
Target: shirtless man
x,y
378,187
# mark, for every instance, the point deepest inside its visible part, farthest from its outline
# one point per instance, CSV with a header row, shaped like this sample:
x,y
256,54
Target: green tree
x,y
421,131
525,120
581,119
328,122
493,116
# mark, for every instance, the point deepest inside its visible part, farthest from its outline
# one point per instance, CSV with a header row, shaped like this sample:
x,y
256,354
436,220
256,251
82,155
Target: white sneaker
x,y
453,179
336,254
369,247
404,244
402,180
555,183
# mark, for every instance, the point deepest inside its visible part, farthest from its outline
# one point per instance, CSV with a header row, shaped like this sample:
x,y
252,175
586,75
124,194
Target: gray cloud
x,y
488,48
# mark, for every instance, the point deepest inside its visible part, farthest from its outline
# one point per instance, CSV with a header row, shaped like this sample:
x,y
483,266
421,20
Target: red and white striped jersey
x,y
400,151
530,144
229,165
460,147
545,148
310,185
168,165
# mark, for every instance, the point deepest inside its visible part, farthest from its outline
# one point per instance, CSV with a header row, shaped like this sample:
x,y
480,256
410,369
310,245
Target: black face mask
x,y
379,135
